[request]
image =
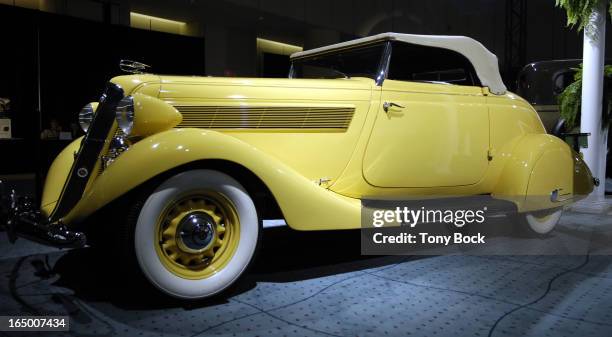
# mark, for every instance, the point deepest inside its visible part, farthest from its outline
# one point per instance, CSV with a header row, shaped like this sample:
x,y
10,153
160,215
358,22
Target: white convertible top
x,y
484,62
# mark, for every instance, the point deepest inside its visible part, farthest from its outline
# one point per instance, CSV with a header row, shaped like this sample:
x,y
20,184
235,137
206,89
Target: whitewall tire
x,y
196,234
542,222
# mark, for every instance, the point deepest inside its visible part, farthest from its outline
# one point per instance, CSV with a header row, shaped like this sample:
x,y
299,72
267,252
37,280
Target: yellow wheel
x,y
196,234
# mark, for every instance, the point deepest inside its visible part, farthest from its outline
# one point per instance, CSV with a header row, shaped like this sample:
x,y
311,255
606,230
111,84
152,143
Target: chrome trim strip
x,y
325,118
271,223
555,196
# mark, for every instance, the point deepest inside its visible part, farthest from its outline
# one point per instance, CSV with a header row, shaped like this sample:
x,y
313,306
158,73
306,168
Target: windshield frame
x,y
383,64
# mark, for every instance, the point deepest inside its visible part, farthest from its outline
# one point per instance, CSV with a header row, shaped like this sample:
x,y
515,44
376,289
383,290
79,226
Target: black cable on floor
x,y
548,288
12,287
259,310
287,321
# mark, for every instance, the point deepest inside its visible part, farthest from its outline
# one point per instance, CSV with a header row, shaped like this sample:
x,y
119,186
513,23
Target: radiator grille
x,y
236,117
118,133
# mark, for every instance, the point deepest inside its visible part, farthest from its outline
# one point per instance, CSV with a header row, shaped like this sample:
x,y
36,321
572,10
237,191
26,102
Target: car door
x,y
428,133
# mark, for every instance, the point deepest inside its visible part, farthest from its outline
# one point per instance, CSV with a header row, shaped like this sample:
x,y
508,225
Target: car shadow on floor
x,y
285,256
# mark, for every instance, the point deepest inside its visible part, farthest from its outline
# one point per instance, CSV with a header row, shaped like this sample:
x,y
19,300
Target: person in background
x,y
52,132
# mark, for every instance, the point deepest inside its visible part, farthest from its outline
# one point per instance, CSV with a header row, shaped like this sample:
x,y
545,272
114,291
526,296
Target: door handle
x,y
388,105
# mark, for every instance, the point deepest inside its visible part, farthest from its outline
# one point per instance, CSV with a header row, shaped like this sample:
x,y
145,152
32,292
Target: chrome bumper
x,y
20,218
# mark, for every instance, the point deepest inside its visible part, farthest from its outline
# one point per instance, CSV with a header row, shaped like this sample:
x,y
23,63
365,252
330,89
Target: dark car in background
x,y
540,83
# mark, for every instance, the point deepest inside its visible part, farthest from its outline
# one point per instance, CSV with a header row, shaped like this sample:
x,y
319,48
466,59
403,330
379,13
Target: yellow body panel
x,y
314,153
538,165
299,198
435,129
322,145
164,118
145,84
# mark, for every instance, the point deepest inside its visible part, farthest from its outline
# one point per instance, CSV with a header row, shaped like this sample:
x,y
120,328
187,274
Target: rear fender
x,y
304,204
539,166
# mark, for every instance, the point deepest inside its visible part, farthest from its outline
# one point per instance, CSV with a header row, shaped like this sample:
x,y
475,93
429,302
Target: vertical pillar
x,y
215,49
592,95
230,51
516,37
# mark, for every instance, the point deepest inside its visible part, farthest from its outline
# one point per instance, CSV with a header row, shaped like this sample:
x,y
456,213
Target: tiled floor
x,y
317,284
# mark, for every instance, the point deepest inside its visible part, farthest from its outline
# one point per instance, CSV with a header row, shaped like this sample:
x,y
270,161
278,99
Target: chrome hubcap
x,y
196,233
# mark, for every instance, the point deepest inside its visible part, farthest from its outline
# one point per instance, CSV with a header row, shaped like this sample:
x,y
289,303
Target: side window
x,y
562,80
429,64
353,62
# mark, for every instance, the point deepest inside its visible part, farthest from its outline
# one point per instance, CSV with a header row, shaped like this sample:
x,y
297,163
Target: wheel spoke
x,y
170,231
209,253
170,245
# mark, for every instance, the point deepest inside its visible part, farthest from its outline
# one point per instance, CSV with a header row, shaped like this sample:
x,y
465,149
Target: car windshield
x,y
357,62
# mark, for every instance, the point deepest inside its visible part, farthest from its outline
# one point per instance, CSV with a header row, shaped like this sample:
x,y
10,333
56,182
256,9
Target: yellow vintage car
x,y
188,167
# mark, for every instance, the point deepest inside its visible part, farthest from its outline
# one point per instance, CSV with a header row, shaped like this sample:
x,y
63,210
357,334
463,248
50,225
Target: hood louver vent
x,y
238,117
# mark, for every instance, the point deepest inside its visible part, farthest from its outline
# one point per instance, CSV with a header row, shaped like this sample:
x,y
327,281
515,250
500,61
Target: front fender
x,y
305,205
540,174
57,175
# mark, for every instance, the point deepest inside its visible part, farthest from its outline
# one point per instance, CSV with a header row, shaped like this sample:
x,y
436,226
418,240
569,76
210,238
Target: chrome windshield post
x,y
383,68
291,71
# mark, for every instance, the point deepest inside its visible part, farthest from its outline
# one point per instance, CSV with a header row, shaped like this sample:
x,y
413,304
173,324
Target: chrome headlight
x,y
125,114
86,115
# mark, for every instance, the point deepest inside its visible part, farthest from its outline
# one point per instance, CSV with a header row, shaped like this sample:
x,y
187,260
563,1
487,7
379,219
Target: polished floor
x,y
318,284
